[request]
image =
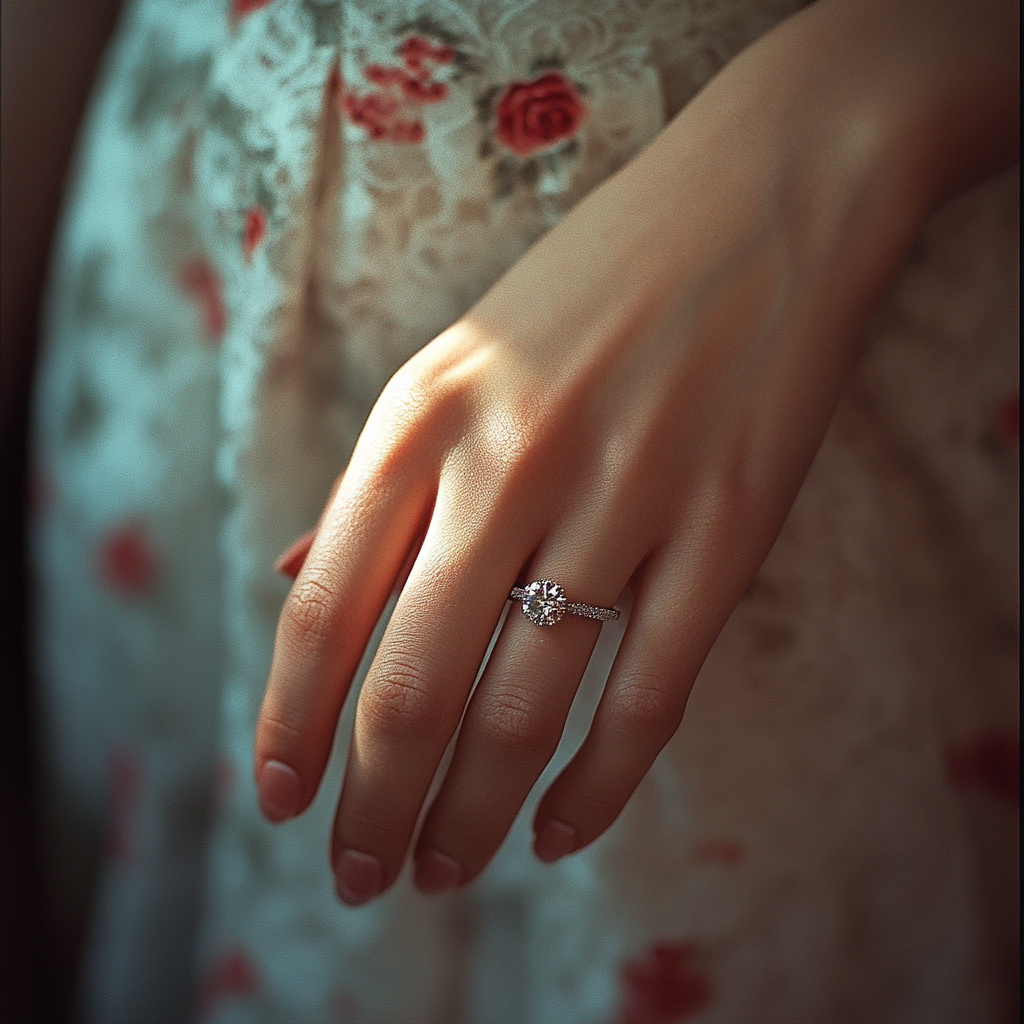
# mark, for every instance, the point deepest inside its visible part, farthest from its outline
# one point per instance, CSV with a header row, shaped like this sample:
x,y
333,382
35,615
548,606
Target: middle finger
x,y
413,698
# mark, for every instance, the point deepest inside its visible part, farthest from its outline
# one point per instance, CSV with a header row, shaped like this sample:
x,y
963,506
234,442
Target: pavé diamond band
x,y
545,603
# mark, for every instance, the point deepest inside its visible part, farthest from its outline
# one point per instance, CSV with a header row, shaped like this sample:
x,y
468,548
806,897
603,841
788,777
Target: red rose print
x,y
372,110
127,562
202,283
664,988
231,975
254,229
536,115
988,761
125,788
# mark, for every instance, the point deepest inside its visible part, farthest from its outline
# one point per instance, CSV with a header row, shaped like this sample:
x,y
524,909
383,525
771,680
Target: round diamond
x,y
545,603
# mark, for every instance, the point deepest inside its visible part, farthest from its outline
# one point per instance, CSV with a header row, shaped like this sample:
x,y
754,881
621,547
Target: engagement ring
x,y
545,603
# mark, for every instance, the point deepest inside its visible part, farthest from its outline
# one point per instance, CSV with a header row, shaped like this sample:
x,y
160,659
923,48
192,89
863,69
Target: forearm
x,y
930,88
853,114
836,134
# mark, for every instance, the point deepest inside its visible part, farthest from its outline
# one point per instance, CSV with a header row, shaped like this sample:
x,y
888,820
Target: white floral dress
x,y
275,204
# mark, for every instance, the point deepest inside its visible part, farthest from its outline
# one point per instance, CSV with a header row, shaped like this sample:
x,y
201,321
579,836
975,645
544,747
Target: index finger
x,y
325,624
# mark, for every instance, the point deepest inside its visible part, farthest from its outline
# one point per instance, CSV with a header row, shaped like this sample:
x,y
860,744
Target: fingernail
x,y
290,562
554,840
358,877
437,872
279,790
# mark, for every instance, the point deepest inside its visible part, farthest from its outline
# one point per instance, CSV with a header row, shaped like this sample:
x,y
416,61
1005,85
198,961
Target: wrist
x,y
834,136
905,102
845,126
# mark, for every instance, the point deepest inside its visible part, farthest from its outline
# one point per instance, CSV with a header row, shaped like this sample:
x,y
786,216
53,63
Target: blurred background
x,y
51,52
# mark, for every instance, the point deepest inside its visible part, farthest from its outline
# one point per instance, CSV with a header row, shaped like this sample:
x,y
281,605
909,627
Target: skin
x,y
637,401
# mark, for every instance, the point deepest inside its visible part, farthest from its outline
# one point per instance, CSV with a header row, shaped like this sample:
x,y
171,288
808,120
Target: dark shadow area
x,y
51,50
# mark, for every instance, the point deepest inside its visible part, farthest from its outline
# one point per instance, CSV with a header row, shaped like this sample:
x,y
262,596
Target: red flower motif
x,y
202,282
381,74
415,88
989,761
254,229
536,115
231,975
402,130
416,49
381,112
378,113
125,788
664,988
416,91
127,562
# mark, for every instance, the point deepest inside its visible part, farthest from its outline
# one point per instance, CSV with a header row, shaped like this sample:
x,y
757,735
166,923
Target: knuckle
x,y
509,721
279,731
466,832
401,704
419,411
425,386
409,389
647,705
598,807
366,825
310,615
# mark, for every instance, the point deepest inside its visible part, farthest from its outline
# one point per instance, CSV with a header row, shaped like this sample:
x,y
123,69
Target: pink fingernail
x,y
437,872
290,561
279,790
358,877
554,840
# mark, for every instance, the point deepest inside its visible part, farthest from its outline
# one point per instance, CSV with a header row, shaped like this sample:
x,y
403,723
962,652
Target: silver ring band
x,y
545,603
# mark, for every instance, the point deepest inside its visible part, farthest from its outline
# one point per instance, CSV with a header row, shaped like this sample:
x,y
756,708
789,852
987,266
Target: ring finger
x,y
515,718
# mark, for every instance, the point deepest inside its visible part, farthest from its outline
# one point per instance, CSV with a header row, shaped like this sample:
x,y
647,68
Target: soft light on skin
x,y
636,402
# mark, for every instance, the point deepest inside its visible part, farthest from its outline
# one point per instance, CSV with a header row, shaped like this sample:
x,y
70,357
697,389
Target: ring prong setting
x,y
545,603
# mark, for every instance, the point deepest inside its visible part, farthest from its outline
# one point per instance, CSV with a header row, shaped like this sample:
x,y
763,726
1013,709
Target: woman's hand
x,y
636,402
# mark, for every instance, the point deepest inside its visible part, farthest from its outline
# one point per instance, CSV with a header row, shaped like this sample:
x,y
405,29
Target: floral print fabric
x,y
275,205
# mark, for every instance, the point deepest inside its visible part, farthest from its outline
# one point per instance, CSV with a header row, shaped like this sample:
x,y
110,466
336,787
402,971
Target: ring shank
x,y
591,611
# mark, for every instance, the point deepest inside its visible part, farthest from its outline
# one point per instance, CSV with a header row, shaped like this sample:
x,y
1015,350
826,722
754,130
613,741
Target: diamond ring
x,y
545,603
